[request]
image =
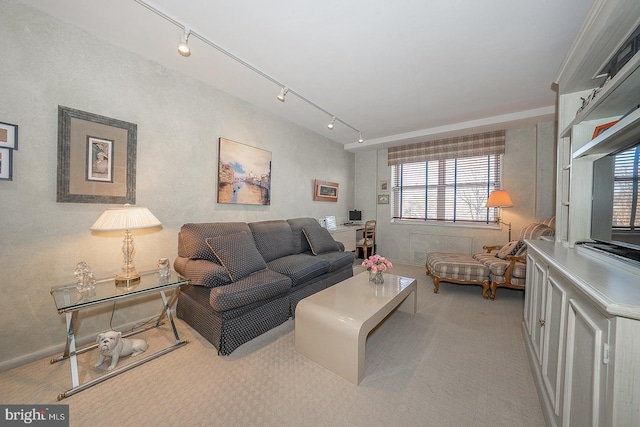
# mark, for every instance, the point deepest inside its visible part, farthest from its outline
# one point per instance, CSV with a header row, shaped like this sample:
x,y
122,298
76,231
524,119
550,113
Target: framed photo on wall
x,y
8,136
96,158
325,191
6,164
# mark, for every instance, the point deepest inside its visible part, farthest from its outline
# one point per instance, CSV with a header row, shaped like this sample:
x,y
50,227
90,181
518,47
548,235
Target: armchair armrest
x,y
491,248
512,262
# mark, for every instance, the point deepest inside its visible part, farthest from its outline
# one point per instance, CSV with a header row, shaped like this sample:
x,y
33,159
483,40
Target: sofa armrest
x,y
491,248
512,263
202,272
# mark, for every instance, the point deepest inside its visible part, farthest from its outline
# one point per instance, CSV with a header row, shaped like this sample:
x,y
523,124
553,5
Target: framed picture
x,y
244,174
384,185
599,129
325,191
6,164
8,136
383,199
96,158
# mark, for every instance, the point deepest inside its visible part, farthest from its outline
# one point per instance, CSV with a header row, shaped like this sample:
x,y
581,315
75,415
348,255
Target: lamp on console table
x,y
500,199
126,218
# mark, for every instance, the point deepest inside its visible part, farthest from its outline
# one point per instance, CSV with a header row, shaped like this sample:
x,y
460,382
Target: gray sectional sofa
x,y
247,278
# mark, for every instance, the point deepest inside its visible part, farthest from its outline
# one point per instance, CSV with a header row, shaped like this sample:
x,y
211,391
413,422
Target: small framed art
x,y
325,191
6,164
383,199
599,129
96,158
8,136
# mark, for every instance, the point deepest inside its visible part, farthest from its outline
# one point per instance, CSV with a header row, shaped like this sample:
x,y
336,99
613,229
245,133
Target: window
x,y
452,190
625,194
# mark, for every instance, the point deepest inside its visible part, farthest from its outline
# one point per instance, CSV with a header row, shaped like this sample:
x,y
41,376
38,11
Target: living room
x,y
179,121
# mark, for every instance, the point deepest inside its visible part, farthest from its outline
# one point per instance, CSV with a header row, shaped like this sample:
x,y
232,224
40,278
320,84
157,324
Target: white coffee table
x,y
331,326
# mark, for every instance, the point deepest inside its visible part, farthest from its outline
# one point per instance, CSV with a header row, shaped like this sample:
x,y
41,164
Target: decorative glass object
x,y
85,280
376,278
164,267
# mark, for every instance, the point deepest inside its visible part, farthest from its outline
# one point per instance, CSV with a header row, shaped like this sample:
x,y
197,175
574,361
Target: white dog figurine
x,y
111,344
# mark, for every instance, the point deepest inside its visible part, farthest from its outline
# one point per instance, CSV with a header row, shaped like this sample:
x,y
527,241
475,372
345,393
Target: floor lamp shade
x,y
126,218
500,199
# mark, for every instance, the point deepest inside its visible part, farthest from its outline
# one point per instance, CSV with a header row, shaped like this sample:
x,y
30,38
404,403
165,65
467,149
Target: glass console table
x,y
69,301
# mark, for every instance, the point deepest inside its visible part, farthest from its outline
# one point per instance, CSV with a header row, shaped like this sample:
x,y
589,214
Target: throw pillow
x,y
320,240
507,249
519,249
237,253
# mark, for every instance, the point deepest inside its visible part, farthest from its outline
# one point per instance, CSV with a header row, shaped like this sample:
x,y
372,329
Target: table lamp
x,y
500,199
126,218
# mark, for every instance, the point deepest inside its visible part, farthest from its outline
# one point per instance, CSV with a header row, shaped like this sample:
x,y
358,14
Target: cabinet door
x,y
554,338
539,278
585,370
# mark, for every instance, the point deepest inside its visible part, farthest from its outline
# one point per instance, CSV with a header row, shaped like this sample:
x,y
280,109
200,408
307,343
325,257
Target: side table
x,y
69,301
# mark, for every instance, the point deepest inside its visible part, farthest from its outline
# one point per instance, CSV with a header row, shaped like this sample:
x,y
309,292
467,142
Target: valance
x,y
480,144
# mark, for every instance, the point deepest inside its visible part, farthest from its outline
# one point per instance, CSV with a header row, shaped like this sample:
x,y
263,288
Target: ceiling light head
x,y
283,93
183,46
331,123
360,140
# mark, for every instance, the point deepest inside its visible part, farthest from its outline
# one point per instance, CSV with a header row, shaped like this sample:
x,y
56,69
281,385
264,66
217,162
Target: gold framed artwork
x,y
599,129
96,158
244,174
325,191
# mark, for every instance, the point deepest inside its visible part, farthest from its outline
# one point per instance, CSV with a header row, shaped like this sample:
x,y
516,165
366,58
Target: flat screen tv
x,y
615,210
355,215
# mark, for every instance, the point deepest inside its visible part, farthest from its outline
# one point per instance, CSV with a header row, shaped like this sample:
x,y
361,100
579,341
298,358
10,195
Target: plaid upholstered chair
x,y
507,267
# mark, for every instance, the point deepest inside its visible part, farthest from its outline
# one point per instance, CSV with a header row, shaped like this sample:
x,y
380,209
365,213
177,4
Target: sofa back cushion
x,y
300,242
320,240
536,230
274,239
237,253
192,238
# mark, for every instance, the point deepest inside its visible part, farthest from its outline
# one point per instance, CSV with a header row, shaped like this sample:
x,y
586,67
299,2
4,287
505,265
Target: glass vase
x,y
376,278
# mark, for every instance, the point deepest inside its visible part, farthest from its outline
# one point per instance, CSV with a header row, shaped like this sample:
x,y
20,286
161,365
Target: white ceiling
x,y
398,71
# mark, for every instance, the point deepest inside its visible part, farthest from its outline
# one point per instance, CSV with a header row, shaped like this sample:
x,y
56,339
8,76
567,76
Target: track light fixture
x,y
184,50
283,93
183,46
331,123
360,140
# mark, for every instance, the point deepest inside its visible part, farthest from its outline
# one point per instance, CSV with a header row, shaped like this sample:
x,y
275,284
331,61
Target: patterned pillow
x,y
237,253
320,240
507,249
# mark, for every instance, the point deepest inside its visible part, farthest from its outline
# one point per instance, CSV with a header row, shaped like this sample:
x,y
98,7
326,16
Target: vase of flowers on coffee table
x,y
376,265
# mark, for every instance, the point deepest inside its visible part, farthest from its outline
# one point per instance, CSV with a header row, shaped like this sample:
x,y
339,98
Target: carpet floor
x,y
459,361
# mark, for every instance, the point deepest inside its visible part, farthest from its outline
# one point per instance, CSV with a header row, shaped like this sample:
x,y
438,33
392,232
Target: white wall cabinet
x,y
582,333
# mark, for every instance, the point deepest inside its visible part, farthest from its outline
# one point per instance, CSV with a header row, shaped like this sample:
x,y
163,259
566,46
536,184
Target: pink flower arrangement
x,y
377,263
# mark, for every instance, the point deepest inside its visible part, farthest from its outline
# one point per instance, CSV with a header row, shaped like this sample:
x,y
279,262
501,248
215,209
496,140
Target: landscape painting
x,y
244,174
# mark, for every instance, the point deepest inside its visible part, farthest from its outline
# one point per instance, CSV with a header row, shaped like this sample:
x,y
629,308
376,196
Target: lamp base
x,y
127,281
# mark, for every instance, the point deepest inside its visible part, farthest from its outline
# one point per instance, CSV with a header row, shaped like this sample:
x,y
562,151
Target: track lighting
x,y
184,50
330,125
360,140
283,93
183,46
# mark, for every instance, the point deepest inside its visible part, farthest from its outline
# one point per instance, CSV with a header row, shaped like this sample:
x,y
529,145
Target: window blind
x,y
625,194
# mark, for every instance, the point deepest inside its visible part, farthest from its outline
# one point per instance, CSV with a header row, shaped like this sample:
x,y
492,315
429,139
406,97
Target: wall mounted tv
x,y
615,212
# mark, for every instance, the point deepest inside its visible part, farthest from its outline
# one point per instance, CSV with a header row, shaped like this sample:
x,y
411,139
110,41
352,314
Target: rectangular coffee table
x,y
331,326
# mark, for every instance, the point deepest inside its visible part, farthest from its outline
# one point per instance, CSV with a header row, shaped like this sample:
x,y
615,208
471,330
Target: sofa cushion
x,y
237,253
300,242
536,230
192,237
498,266
259,286
338,259
511,248
320,240
274,239
300,268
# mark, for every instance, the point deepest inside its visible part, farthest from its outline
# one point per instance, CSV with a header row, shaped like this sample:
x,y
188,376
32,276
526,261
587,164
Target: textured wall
x,y
46,63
